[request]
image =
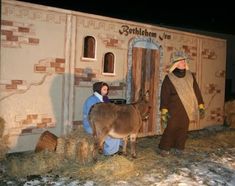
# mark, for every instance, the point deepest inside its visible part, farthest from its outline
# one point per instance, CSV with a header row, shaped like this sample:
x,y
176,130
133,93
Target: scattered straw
x,y
33,164
114,167
109,169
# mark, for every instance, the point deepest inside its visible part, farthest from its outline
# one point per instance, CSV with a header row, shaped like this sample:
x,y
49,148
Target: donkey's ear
x,y
143,96
146,95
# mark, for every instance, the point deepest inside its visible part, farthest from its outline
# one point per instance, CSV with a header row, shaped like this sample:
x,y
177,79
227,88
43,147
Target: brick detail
x,y
170,48
32,116
41,125
7,32
39,68
190,50
78,70
10,85
209,54
111,42
55,65
7,23
32,122
84,75
46,120
212,88
50,65
23,29
27,130
15,34
17,82
119,86
59,70
33,40
59,60
220,74
216,115
12,38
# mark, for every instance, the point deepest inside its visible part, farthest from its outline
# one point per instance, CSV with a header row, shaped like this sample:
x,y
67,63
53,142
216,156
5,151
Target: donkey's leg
x,y
133,145
125,140
95,146
101,135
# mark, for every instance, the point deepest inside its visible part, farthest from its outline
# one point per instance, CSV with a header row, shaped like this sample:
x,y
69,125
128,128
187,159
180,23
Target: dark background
x,y
220,19
193,16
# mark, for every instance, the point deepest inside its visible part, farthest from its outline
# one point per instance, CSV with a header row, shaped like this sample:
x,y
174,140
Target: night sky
x,y
219,20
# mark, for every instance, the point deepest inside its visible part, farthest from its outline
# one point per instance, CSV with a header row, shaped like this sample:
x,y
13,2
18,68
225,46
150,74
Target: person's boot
x,y
178,152
164,153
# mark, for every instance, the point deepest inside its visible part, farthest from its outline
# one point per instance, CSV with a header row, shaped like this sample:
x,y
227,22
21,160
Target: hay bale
x,y
84,146
230,119
47,141
84,152
4,142
33,164
229,112
78,145
60,148
77,132
70,148
114,167
229,108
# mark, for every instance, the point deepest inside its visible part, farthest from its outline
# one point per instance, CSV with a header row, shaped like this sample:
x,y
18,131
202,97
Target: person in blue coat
x,y
100,94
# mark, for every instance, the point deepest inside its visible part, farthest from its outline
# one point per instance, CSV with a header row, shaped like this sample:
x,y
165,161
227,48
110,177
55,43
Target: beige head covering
x,y
176,57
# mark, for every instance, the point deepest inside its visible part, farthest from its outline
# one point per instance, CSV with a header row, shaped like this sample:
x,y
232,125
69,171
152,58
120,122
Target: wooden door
x,y
145,77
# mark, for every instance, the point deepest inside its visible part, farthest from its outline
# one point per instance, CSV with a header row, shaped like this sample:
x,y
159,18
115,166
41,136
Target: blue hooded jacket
x,y
111,145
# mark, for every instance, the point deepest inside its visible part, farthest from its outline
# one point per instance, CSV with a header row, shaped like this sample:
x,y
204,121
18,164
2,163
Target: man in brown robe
x,y
181,104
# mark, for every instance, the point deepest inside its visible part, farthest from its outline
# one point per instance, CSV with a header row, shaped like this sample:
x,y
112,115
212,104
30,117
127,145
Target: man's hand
x,y
201,108
164,117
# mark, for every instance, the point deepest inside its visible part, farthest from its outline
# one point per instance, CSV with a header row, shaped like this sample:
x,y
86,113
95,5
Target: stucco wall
x,y
45,80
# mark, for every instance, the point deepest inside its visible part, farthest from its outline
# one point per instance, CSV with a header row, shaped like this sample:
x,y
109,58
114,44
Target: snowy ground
x,y
209,159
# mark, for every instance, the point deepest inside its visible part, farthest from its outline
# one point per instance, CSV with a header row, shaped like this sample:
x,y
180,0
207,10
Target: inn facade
x,y
50,58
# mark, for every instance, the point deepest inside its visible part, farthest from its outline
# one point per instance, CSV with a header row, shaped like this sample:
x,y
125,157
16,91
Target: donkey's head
x,y
144,106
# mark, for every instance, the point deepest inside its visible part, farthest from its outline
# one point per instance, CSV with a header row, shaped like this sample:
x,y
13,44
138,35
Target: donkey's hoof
x,y
124,153
133,156
120,153
100,151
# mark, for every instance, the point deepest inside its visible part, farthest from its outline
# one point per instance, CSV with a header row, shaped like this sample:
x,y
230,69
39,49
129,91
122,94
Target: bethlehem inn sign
x,y
126,30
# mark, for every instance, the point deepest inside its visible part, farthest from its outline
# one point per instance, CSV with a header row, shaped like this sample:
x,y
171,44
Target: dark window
x,y
89,47
108,63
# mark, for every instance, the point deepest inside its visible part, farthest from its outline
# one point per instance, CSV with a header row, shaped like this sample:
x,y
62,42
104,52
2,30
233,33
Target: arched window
x,y
108,63
89,47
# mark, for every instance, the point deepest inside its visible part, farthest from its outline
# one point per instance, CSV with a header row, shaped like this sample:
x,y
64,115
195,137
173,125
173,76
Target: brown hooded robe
x,y
175,134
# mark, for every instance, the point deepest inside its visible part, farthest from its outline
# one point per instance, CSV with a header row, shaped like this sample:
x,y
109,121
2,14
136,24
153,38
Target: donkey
x,y
118,121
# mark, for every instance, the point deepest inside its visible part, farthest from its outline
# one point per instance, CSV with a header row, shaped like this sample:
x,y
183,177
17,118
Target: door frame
x,y
148,43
